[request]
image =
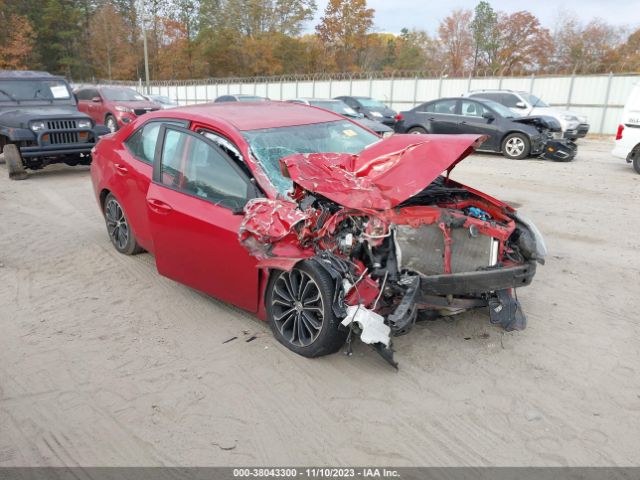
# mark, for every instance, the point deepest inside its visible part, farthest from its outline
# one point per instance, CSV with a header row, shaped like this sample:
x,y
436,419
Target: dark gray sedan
x,y
514,136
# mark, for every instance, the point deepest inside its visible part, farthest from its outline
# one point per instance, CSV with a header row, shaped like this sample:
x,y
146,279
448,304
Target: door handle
x,y
121,169
463,122
158,206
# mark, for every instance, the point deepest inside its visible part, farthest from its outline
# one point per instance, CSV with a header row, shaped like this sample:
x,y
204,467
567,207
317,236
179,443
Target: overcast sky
x,y
393,15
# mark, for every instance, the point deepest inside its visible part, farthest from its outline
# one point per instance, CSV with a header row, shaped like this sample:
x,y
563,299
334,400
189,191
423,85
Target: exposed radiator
x,y
422,250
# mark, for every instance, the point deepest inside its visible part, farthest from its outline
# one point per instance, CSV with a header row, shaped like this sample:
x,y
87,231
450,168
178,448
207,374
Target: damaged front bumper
x,y
477,283
559,150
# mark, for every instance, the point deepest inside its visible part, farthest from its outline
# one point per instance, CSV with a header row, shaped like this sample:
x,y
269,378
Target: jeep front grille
x,y
63,137
61,125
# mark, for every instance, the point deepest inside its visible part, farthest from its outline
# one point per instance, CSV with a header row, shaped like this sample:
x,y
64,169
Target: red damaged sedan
x,y
312,222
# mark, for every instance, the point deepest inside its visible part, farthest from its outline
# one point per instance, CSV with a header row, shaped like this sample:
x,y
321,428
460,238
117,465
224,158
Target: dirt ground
x,y
103,362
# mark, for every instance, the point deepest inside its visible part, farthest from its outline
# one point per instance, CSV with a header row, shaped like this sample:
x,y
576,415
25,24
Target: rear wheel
x,y
636,161
120,232
417,131
516,146
300,312
14,162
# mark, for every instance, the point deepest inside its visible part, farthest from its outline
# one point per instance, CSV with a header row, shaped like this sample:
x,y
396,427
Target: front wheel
x,y
417,131
300,312
118,228
516,146
636,162
14,162
111,123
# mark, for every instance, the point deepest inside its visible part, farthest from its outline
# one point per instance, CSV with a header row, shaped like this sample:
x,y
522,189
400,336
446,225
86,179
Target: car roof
x,y
497,90
253,115
309,99
18,74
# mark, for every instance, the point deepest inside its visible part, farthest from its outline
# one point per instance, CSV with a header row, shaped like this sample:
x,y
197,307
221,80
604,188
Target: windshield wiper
x,y
9,95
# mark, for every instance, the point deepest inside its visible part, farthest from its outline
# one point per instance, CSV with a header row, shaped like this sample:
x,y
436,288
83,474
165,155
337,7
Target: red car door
x,y
193,205
133,165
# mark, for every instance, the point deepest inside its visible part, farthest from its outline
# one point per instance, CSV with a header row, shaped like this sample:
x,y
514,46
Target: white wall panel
x,y
588,93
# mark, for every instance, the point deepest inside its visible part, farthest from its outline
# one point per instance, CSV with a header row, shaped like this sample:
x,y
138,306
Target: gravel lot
x,y
103,362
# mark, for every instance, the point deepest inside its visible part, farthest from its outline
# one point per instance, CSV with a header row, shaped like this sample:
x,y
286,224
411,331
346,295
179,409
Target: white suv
x,y
523,103
628,135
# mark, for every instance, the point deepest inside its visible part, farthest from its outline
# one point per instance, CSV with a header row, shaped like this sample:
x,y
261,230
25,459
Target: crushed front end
x,y
396,252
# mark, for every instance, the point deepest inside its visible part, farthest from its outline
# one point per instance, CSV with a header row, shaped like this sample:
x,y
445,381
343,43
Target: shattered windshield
x,y
271,144
15,90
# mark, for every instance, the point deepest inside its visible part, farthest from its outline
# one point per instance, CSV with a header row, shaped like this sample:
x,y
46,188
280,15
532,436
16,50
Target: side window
x,y
509,100
447,107
82,95
142,144
472,109
193,166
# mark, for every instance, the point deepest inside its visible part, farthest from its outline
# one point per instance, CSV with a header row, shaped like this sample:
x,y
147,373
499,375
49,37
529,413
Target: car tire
x,y
14,162
636,162
516,146
111,123
300,313
118,228
416,131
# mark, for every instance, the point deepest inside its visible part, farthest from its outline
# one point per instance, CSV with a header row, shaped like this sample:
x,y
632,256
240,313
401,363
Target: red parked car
x,y
113,107
312,222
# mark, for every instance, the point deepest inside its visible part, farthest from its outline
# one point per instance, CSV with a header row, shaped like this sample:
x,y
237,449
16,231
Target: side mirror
x,y
521,105
489,116
96,100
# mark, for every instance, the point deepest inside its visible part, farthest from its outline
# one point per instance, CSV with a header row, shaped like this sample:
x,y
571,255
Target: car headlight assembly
x,y
540,247
120,108
84,123
37,126
569,118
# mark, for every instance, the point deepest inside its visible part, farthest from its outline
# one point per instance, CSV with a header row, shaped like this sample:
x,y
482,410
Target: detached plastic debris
x,y
372,325
506,311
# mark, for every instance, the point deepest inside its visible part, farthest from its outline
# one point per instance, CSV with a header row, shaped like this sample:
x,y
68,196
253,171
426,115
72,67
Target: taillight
x,y
399,117
619,132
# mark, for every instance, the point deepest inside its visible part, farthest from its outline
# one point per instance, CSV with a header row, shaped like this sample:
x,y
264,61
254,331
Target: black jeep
x,y
40,123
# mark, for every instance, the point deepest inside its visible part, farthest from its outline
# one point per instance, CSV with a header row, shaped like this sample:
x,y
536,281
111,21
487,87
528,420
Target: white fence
x,y
599,97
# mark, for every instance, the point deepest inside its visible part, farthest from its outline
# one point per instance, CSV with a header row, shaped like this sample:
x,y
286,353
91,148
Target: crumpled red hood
x,y
383,175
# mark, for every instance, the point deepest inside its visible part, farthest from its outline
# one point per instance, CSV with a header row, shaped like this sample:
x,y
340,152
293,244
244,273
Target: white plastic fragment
x,y
372,325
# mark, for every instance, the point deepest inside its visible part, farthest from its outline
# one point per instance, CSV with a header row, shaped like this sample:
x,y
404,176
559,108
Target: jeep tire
x,y
14,162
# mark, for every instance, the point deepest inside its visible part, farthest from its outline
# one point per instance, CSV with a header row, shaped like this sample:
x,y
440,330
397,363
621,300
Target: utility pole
x,y
144,43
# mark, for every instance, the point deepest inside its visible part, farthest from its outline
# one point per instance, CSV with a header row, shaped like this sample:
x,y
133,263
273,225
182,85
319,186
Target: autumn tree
x,y
630,52
524,44
111,52
455,36
343,30
590,48
16,41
